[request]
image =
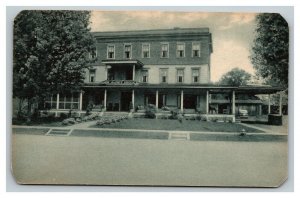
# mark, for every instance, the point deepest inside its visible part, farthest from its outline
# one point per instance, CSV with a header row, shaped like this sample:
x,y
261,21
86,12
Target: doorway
x,y
125,100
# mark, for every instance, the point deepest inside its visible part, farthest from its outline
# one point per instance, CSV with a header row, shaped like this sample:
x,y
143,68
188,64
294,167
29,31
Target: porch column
x,y
181,101
233,102
80,101
280,103
156,99
105,97
269,104
132,100
106,72
133,72
207,104
57,104
57,101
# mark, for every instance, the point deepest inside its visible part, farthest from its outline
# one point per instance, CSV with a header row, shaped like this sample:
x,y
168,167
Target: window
x,y
180,50
145,76
127,51
163,75
195,75
92,75
180,75
165,50
69,101
50,102
93,54
146,50
110,51
196,49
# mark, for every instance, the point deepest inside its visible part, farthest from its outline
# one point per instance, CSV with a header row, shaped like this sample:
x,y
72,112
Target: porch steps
x,y
59,132
114,113
179,136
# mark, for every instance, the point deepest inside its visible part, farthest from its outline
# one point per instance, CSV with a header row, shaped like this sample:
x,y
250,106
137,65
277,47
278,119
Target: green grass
x,y
175,125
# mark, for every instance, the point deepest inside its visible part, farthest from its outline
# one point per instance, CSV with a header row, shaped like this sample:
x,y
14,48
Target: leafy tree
x,y
50,53
235,77
270,52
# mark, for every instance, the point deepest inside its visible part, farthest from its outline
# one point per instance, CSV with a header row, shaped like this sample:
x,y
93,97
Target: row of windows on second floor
x,y
181,50
170,75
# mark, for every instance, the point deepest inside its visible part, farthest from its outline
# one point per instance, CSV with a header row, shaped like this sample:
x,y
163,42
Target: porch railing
x,y
120,82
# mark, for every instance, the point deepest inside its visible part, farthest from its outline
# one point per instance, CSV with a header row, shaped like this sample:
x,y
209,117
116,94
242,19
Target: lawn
x,y
175,125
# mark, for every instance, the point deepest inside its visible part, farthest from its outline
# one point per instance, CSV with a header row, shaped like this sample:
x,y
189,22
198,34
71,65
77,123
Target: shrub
x,y
150,111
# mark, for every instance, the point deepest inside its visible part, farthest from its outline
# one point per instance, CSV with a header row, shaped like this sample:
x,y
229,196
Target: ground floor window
x,y
50,102
69,101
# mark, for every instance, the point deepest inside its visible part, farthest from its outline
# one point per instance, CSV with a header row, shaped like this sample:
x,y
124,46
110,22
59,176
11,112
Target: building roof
x,y
152,32
211,87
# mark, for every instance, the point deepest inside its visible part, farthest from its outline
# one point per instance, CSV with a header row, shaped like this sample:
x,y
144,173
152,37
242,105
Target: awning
x,y
129,62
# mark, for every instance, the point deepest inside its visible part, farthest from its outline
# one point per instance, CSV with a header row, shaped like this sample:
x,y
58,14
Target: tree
x,y
50,53
270,52
235,77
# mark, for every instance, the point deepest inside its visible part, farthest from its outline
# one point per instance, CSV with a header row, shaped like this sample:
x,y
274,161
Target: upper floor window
x,y
180,75
145,76
92,75
165,50
180,50
110,51
146,50
195,75
93,53
196,49
163,75
127,51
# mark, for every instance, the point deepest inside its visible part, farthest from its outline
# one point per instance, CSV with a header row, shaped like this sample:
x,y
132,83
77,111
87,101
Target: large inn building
x,y
169,67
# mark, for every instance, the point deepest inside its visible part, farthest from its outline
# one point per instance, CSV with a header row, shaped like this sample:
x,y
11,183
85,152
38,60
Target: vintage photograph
x,y
150,98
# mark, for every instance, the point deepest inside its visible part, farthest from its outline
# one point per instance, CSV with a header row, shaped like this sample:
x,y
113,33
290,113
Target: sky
x,y
232,33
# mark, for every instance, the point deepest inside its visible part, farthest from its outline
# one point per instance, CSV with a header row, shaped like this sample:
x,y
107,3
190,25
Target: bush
x,y
150,111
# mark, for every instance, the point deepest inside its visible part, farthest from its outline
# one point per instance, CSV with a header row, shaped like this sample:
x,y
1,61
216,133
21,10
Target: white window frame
x,y
52,101
64,101
177,54
142,80
130,54
148,51
160,75
111,45
94,70
195,43
177,76
161,51
96,54
196,68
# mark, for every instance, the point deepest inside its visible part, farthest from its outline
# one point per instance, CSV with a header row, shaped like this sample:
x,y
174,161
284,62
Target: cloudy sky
x,y
232,32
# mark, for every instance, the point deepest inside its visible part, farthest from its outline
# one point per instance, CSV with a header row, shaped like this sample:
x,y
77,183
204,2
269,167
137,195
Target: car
x,y
243,113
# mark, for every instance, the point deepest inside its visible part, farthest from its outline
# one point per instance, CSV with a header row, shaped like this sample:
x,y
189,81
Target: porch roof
x,y
258,89
123,62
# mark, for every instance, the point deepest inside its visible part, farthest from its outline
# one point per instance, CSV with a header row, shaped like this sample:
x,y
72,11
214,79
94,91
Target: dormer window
x,y
127,51
110,52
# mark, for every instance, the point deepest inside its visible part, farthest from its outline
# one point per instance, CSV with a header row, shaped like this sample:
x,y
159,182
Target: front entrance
x,y
125,100
189,101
